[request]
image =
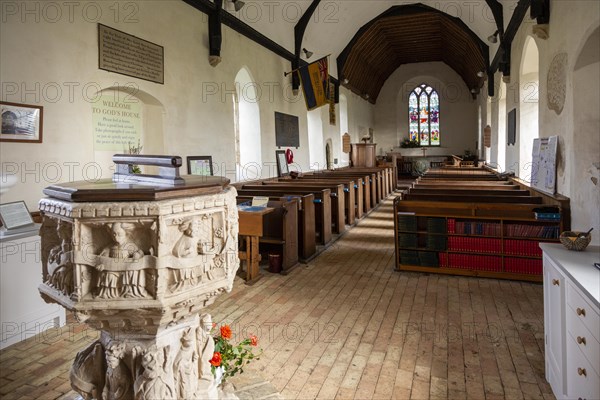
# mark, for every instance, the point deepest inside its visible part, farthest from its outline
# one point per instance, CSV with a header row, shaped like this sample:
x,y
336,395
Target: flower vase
x,y
219,373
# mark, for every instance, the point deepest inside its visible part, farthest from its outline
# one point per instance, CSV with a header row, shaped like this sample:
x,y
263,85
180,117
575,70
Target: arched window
x,y
424,115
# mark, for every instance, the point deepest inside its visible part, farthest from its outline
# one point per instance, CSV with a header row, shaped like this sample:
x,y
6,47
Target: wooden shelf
x,y
503,262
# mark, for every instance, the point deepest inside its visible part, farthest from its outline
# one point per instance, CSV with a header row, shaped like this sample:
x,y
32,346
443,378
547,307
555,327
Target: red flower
x,y
253,340
226,332
215,361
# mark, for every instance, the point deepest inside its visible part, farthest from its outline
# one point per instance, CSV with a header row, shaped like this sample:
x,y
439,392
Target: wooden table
x,y
251,226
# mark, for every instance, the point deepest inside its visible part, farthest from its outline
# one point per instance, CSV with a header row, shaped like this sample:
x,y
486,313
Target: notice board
x,y
543,171
287,130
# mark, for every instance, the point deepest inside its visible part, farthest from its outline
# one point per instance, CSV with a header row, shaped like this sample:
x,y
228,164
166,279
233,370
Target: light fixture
x,y
238,4
493,38
307,53
480,74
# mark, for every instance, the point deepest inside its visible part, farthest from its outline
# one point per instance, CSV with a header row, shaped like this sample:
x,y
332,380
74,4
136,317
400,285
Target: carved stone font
x,y
142,273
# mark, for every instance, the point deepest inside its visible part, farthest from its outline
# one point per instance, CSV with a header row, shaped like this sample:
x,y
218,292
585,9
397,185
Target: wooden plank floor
x,y
348,326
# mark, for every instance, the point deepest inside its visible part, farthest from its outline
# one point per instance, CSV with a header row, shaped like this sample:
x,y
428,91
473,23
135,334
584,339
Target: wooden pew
x,y
322,202
473,198
370,180
385,177
376,180
307,245
280,230
353,185
466,185
338,196
483,191
365,188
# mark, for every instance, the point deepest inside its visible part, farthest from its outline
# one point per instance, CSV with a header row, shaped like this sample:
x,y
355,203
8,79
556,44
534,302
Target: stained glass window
x,y
424,115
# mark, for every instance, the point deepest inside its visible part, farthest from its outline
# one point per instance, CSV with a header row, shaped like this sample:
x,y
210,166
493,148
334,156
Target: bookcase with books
x,y
499,241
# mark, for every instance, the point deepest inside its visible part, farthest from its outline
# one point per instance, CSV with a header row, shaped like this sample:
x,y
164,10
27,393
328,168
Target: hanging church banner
x,y
129,55
332,118
116,123
315,83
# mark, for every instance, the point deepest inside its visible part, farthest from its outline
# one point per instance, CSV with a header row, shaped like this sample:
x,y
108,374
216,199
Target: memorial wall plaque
x,y
287,130
129,55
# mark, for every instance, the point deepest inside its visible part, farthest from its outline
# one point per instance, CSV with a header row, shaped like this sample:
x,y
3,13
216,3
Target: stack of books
x,y
407,223
523,266
409,257
436,242
436,225
523,230
408,240
428,259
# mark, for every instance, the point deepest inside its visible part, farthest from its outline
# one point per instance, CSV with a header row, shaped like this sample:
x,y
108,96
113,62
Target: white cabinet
x,y
23,313
554,326
572,321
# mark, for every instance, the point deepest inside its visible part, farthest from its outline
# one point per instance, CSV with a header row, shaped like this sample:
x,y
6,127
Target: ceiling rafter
x,y
407,34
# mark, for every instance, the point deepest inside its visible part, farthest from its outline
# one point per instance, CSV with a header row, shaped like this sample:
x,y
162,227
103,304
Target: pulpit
x,y
139,257
363,155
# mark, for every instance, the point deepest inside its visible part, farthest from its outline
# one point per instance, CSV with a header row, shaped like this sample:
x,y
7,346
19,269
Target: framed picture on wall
x,y
282,166
512,127
200,165
21,122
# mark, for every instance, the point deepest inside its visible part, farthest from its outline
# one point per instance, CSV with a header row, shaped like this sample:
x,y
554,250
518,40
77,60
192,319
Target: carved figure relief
x,y
187,245
155,382
60,263
206,346
557,82
185,367
123,248
118,382
87,371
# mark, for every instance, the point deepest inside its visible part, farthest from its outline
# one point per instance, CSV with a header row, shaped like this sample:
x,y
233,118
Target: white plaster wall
x,y
571,23
585,174
195,103
458,110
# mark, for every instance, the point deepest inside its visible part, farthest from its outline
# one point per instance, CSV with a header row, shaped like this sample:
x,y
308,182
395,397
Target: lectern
x,y
139,257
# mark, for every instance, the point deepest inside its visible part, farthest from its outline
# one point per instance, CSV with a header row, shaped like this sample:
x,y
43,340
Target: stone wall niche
x,y
141,270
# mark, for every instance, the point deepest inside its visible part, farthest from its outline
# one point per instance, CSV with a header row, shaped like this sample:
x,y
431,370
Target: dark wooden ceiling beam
x,y
215,37
498,13
299,30
540,11
502,58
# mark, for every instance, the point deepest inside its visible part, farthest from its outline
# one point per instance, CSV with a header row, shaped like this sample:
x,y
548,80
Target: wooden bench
x,y
483,191
386,176
381,179
366,187
370,179
307,245
473,198
352,187
322,202
338,196
280,231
